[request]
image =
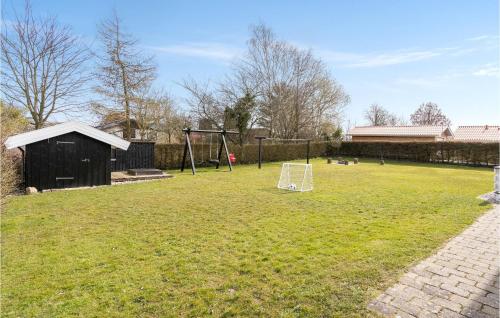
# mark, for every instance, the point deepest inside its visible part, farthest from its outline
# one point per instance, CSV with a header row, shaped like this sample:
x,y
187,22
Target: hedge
x,y
170,155
466,153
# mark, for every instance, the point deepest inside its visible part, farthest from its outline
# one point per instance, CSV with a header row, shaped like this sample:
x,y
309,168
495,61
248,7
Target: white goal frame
x,y
298,182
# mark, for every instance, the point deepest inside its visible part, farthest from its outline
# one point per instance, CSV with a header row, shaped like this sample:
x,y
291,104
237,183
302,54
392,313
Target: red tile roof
x,y
484,133
398,131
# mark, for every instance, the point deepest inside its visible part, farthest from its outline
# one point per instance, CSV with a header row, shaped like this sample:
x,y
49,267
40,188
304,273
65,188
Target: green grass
x,y
231,244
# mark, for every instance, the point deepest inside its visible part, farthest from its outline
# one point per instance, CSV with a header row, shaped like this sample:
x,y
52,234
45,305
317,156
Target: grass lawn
x,y
231,244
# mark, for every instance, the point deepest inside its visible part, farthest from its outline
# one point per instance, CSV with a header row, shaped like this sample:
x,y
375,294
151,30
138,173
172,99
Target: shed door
x,y
89,161
66,162
74,161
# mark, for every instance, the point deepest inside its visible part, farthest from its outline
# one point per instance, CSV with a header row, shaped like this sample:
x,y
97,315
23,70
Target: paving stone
x,y
472,289
416,293
489,301
445,303
382,308
466,302
406,306
436,291
488,287
478,279
438,270
490,311
430,281
460,280
471,313
468,270
402,314
446,313
456,290
426,305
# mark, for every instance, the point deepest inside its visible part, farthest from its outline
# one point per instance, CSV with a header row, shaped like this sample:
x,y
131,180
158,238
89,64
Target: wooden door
x,y
84,163
94,162
66,161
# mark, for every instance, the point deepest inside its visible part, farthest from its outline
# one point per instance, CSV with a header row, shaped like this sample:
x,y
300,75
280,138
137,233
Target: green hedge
x,y
439,152
170,155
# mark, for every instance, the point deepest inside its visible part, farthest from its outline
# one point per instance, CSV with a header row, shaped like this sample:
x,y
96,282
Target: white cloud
x,y
483,37
433,81
226,52
216,51
488,70
379,59
395,58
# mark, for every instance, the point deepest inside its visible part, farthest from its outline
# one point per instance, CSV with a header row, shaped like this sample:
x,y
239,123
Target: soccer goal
x,y
296,177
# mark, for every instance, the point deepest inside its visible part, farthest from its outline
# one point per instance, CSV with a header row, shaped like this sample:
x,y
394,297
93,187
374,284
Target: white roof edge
x,y
64,128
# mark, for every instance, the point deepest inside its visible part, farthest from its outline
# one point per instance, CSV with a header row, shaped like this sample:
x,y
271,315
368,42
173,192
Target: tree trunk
x,y
127,103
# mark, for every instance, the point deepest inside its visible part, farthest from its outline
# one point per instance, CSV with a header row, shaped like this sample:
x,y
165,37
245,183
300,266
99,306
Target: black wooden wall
x,y
69,160
140,154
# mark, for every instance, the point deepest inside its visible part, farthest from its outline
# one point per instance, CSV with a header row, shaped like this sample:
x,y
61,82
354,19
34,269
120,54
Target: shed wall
x,y
138,155
66,161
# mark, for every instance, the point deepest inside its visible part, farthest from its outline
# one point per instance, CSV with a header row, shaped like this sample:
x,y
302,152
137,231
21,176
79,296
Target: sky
x,y
398,54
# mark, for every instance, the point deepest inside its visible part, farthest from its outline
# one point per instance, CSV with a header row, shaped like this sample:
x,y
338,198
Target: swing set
x,y
221,143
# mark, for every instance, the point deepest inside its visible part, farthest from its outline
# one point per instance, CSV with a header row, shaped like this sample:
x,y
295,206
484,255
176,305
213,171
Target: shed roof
x,y
397,131
484,133
64,128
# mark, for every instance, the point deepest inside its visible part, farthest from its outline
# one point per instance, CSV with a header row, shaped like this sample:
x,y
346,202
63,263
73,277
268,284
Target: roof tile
x,y
407,131
484,133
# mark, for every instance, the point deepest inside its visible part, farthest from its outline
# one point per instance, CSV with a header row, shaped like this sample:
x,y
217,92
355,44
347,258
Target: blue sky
x,y
395,53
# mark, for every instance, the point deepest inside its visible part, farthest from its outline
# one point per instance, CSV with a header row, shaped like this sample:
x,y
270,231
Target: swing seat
x,y
214,161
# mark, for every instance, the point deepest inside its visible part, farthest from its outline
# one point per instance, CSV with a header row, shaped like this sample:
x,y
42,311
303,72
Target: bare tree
x,y
171,120
377,115
157,117
429,114
123,71
294,93
145,110
42,66
206,103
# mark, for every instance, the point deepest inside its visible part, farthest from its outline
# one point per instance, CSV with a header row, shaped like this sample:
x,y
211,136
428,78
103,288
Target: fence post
x,y
497,179
308,149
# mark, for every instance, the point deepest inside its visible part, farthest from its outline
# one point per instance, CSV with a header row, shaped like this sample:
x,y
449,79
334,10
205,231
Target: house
x,y
400,133
119,128
484,133
66,155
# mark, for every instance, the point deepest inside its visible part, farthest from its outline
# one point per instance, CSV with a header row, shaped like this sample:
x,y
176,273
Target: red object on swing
x,y
232,158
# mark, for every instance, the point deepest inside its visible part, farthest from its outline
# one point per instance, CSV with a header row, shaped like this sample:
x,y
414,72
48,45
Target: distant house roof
x,y
61,129
118,123
484,133
401,131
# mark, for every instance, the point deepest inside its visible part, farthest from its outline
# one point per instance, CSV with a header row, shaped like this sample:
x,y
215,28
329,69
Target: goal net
x,y
296,177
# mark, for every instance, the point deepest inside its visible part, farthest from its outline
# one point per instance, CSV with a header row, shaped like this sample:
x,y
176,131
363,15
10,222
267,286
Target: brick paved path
x,y
461,280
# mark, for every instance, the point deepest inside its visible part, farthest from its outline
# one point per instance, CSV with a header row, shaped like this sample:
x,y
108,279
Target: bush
x,y
12,122
170,155
467,153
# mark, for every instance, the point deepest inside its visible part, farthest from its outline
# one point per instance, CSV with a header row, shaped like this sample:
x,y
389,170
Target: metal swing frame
x,y
223,146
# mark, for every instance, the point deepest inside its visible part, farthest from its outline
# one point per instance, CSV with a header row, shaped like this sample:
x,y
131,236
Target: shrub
x,y
170,155
468,153
12,122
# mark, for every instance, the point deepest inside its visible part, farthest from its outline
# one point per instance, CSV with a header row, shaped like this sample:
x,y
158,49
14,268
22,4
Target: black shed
x,y
67,155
